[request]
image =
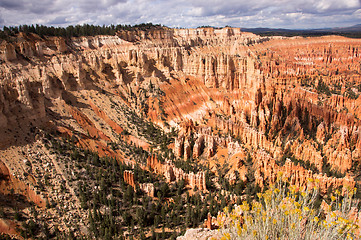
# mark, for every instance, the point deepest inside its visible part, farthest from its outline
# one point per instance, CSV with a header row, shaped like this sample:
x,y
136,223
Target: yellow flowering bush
x,y
289,213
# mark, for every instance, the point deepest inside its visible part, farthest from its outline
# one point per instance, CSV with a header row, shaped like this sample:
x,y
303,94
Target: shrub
x,y
289,213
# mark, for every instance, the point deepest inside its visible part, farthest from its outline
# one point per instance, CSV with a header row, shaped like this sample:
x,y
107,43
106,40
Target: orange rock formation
x,y
229,94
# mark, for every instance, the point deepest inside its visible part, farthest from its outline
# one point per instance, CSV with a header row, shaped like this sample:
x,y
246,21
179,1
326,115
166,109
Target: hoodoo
x,y
152,131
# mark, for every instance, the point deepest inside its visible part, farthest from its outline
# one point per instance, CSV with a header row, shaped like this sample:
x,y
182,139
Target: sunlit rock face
x,y
270,104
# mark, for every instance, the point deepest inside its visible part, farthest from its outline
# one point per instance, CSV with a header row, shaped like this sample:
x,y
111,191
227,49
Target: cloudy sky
x,y
294,14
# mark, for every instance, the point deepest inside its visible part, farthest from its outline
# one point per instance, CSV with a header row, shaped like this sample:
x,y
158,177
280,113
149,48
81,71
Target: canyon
x,y
236,106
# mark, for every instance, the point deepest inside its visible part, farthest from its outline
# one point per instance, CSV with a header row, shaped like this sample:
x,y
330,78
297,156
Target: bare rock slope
x,y
288,104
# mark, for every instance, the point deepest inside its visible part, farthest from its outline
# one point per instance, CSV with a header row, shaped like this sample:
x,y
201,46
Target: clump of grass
x,y
284,212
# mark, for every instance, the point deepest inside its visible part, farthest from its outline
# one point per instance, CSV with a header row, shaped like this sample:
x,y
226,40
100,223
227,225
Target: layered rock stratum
x,y
248,103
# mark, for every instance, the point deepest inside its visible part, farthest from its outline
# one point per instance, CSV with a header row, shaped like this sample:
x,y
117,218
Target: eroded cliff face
x,y
253,103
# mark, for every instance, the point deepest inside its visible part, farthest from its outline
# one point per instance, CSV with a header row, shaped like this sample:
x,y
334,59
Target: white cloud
x,y
184,13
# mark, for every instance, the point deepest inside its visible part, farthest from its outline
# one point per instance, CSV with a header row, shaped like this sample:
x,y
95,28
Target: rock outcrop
x,y
200,233
129,178
237,100
172,173
148,188
267,170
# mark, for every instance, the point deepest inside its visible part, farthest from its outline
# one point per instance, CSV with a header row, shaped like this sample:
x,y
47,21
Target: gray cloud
x,y
61,20
10,4
90,6
184,13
